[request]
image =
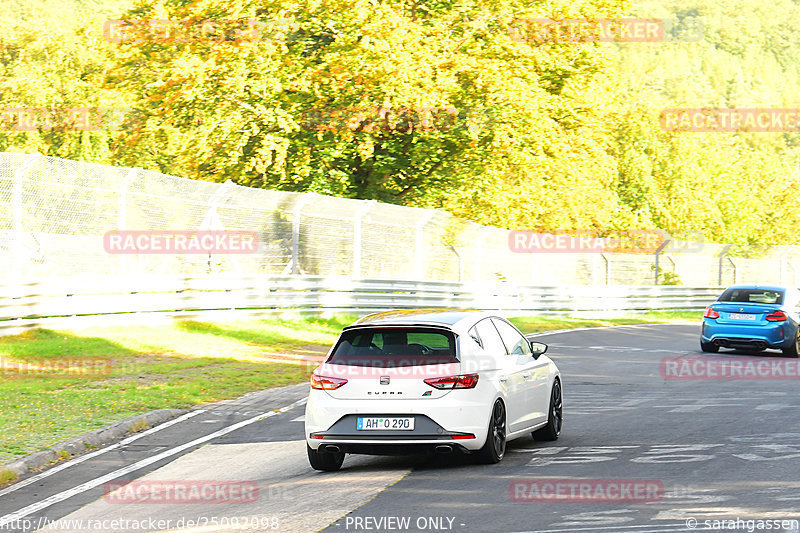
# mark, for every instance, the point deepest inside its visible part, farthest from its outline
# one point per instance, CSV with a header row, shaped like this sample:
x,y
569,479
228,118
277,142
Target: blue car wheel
x,y
709,347
794,349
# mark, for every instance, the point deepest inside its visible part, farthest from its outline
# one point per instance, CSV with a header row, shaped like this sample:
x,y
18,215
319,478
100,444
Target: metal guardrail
x,y
27,305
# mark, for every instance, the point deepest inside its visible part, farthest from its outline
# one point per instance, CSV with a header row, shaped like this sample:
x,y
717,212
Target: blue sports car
x,y
753,318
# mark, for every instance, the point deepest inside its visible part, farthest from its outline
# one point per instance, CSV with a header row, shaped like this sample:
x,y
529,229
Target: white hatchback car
x,y
427,380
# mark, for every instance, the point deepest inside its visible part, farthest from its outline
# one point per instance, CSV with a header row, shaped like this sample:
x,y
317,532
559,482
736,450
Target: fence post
x,y
122,211
16,201
212,221
721,259
419,270
296,213
122,216
658,253
460,263
479,259
794,271
357,236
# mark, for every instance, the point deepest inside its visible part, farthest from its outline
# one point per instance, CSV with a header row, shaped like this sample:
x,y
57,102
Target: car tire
x,y
794,349
555,416
325,461
494,448
709,347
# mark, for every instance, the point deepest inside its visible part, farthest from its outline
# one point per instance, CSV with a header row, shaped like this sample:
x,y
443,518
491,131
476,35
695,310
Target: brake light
x,y
710,313
325,383
777,316
465,381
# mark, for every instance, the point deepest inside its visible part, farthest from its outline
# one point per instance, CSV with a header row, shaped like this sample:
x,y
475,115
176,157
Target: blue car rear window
x,y
760,296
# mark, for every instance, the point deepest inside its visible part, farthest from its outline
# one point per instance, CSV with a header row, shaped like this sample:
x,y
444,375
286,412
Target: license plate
x,y
391,423
741,316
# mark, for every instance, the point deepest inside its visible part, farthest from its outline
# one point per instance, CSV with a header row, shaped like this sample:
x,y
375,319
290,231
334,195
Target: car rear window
x,y
760,296
394,347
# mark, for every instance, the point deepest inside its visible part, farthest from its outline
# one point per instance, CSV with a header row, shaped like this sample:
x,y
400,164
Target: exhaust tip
x,y
331,448
444,448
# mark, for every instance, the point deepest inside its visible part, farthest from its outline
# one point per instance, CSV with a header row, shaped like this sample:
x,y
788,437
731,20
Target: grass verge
x,y
7,476
55,385
80,380
536,324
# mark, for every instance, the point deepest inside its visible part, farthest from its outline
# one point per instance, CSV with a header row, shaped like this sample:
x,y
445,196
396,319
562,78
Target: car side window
x,y
514,341
474,334
795,298
490,339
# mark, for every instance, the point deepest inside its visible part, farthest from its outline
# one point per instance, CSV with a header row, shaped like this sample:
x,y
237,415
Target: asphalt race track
x,y
640,452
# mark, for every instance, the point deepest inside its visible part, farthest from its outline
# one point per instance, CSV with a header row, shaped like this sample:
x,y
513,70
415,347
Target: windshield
x,y
761,296
394,347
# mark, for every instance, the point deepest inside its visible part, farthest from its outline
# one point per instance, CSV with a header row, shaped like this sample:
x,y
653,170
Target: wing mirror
x,y
538,348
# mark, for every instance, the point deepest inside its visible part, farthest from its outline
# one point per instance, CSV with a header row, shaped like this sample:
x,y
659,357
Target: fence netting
x,y
54,214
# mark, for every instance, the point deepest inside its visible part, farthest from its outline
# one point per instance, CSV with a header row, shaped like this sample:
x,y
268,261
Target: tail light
x,y
710,313
326,383
777,316
464,381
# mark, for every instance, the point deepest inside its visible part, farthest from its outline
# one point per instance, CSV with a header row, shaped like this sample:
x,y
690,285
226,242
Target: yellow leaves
x,y
366,148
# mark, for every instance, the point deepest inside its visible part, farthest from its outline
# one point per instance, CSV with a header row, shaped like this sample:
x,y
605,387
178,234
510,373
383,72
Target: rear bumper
x,y
445,421
393,449
779,335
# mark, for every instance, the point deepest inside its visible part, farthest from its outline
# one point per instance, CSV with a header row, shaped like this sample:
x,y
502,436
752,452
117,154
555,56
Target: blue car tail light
x,y
777,316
